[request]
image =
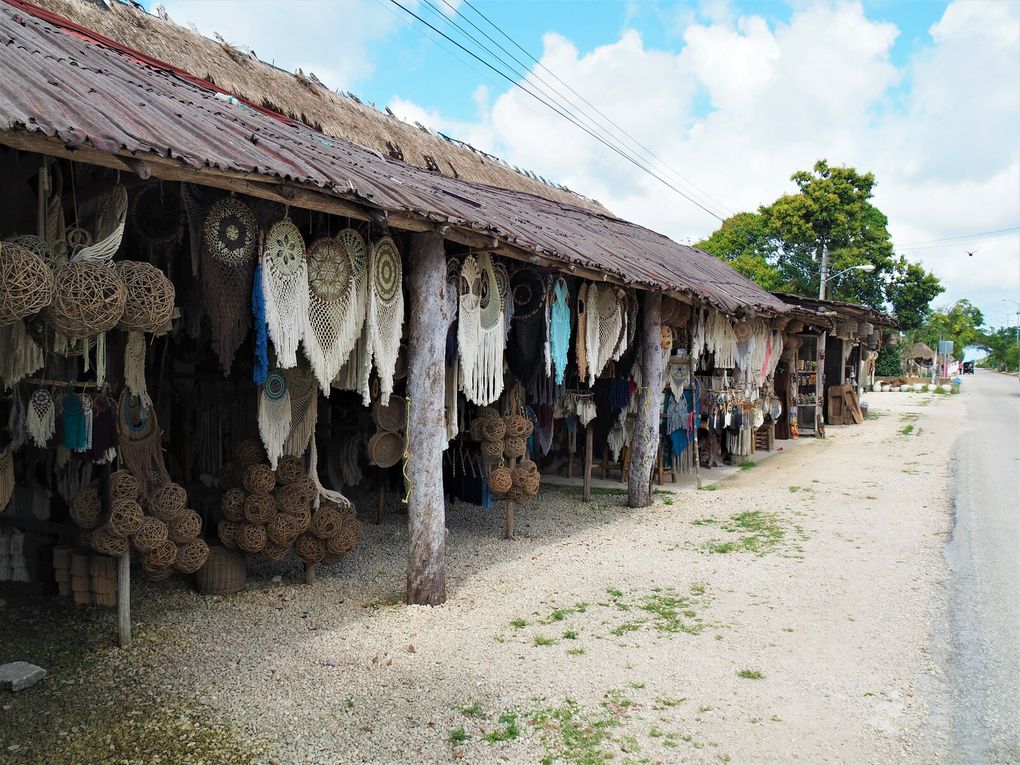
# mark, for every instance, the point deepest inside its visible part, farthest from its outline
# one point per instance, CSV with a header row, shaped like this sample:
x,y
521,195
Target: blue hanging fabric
x,y
559,329
260,370
75,431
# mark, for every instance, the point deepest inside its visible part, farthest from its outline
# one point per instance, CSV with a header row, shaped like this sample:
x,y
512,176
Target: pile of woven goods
x,y
504,441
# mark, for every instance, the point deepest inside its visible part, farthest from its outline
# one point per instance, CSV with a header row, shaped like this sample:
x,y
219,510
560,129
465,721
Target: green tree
x,y
1003,346
744,243
910,291
961,323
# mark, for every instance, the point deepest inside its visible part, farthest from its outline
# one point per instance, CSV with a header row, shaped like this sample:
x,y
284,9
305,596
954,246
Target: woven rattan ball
x,y
290,499
86,508
251,537
39,246
105,542
275,552
152,533
157,573
26,283
259,479
290,469
518,426
88,298
191,556
150,297
168,501
126,517
283,529
515,447
527,477
185,527
310,548
488,411
306,488
161,556
259,508
250,451
326,522
492,449
227,532
232,505
493,429
500,480
124,485
231,474
475,428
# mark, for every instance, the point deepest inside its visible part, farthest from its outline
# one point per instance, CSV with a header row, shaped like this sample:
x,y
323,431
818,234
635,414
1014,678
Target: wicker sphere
x,y
306,488
157,573
168,501
150,297
290,499
515,447
310,548
250,451
88,298
259,508
251,537
290,469
475,429
38,246
326,523
492,449
105,542
500,480
86,508
123,485
232,505
126,517
488,411
493,428
191,556
275,552
152,533
518,426
185,528
283,529
227,532
346,540
26,283
259,479
162,555
527,478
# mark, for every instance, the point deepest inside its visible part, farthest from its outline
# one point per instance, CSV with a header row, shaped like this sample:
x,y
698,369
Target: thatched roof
x,y
921,352
301,98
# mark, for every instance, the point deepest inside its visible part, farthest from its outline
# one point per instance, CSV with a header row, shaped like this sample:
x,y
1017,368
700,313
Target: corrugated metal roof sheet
x,y
841,308
61,83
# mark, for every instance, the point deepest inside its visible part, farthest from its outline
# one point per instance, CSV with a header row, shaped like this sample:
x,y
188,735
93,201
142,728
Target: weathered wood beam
x,y
426,433
645,441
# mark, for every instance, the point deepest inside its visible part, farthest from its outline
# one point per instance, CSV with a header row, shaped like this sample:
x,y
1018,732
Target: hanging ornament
x,y
385,311
274,416
559,329
524,351
260,364
134,367
41,418
480,335
503,282
21,355
75,430
231,235
138,443
581,352
302,388
285,289
6,477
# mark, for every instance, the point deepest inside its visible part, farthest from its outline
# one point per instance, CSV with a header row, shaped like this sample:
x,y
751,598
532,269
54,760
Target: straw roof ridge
x,y
303,98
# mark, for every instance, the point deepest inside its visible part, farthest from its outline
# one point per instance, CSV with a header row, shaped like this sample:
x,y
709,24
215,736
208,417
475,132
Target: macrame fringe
x,y
40,419
20,355
134,368
285,307
139,446
6,477
274,424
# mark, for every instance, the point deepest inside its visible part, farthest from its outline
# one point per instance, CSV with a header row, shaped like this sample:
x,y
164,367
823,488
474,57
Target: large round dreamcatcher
x,y
285,288
480,335
385,311
157,214
231,233
525,349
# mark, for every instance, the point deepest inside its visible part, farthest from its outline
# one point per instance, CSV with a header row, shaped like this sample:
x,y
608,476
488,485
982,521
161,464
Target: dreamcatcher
x,y
157,215
524,351
603,329
134,367
303,391
558,329
285,289
385,311
40,419
720,340
138,443
228,259
274,415
480,335
336,301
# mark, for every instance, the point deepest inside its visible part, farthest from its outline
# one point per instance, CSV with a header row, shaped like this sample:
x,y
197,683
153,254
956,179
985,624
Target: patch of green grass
x,y
710,487
597,491
906,430
572,735
668,702
539,640
748,464
705,522
508,732
624,628
667,499
702,710
576,651
570,634
636,686
350,702
750,674
761,533
518,623
458,736
795,489
474,709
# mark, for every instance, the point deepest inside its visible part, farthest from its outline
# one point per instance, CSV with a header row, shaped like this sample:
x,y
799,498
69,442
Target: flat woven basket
x,y
223,573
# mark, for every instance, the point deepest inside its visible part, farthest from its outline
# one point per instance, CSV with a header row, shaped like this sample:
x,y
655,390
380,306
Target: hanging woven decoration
x,y
6,477
26,283
134,368
157,215
385,311
721,340
274,416
603,329
337,277
21,355
231,239
503,283
139,445
559,329
285,289
581,350
525,349
480,335
150,297
40,420
303,392
260,364
89,297
109,231
75,427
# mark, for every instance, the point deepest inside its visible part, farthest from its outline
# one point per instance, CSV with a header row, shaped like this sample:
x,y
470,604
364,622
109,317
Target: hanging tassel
x,y
101,359
40,418
75,438
6,477
260,370
134,368
274,416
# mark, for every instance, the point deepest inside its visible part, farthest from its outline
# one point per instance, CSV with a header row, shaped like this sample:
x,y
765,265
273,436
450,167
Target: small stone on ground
x,y
19,675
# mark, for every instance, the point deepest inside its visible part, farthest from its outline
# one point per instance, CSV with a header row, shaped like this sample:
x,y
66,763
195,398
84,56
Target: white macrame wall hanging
x,y
285,287
303,397
451,408
40,419
385,311
274,416
134,367
721,340
605,324
21,355
481,338
336,302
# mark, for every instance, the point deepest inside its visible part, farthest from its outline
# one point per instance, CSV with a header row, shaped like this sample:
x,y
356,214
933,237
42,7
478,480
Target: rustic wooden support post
x,y
696,415
589,441
820,385
124,600
645,442
426,432
309,573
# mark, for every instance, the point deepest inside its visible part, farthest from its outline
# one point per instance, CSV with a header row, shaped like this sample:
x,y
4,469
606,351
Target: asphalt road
x,y
978,708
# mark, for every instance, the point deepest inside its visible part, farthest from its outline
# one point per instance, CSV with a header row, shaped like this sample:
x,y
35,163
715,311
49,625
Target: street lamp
x,y
825,279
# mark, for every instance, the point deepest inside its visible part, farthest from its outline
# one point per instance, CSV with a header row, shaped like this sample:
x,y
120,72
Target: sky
x,y
730,97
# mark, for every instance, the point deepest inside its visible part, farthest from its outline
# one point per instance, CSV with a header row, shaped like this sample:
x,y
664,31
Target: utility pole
x,y
824,275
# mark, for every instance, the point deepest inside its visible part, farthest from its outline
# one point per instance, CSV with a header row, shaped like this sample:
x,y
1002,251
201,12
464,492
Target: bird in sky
x,y
971,254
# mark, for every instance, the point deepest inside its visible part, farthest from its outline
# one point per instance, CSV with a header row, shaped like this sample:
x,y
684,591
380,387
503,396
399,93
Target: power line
x,y
946,244
559,111
975,236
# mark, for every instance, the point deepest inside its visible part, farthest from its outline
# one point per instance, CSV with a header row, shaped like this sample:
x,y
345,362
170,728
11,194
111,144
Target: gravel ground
x,y
782,615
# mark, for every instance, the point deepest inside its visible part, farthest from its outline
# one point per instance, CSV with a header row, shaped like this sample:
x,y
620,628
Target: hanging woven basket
x,y
392,417
493,428
88,298
150,297
385,449
27,284
518,426
500,480
224,572
493,450
515,447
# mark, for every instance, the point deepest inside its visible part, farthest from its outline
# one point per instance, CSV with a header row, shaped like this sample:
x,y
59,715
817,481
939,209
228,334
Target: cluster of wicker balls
x,y
506,437
270,512
167,535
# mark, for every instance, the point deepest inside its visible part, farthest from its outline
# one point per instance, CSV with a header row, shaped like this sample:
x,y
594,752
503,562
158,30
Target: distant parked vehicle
x,y
968,367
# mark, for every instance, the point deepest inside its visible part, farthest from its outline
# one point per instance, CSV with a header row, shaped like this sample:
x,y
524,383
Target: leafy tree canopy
x,y
961,323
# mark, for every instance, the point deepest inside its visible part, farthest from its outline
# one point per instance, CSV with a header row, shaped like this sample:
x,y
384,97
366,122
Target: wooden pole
x,y
589,441
645,442
426,433
309,573
124,600
696,415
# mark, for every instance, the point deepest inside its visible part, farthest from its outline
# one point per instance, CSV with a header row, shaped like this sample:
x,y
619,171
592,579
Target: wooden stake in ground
x,y
646,429
426,432
589,439
696,415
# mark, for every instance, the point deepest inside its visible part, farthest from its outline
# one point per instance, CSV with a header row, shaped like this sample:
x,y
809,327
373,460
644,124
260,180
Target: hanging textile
x,y
40,419
285,289
109,229
524,351
6,477
103,445
721,340
134,367
302,387
337,297
75,435
504,287
17,422
581,351
21,354
385,311
451,407
260,363
228,262
138,441
604,327
480,335
559,329
274,415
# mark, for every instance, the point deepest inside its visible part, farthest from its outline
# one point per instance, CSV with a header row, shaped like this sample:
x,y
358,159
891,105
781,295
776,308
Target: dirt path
x,y
783,616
